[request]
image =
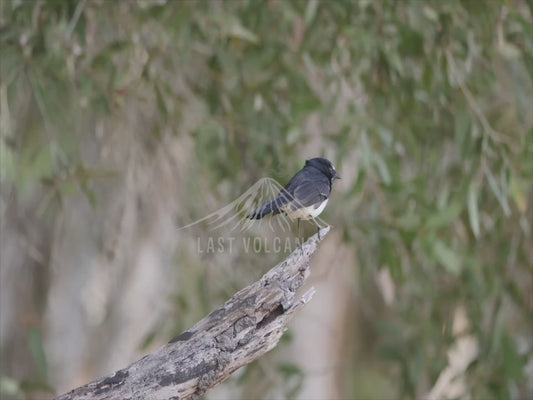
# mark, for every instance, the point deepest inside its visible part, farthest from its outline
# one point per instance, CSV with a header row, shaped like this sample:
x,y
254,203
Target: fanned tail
x,y
270,207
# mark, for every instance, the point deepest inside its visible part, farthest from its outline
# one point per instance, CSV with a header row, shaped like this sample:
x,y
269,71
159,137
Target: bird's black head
x,y
325,166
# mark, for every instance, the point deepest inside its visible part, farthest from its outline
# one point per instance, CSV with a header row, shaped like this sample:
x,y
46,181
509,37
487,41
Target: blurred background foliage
x,y
425,107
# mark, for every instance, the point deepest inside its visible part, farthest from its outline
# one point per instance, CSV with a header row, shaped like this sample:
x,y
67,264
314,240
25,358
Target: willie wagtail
x,y
306,194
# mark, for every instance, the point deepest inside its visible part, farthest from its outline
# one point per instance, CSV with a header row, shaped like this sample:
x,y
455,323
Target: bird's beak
x,y
336,176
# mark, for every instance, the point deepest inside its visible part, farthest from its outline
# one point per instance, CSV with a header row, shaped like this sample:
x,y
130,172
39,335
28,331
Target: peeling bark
x,y
238,332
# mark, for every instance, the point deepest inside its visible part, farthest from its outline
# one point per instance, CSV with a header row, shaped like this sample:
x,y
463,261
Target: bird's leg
x,y
318,227
299,239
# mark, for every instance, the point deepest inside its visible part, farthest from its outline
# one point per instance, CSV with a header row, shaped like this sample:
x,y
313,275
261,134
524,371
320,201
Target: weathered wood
x,y
243,329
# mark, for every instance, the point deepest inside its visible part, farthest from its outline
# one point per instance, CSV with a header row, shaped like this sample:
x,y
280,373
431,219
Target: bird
x,y
306,194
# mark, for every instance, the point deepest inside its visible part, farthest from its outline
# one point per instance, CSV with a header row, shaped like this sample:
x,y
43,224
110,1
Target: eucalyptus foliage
x,y
427,104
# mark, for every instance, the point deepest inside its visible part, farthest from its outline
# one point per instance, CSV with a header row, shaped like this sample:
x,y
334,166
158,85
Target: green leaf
x,y
359,183
148,339
103,58
241,32
513,363
160,102
443,217
290,369
447,257
473,212
293,376
409,222
7,162
69,188
10,387
500,196
35,344
310,11
382,168
287,337
518,190
231,26
89,193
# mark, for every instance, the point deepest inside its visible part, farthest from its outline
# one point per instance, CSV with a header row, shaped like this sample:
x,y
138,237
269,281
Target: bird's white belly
x,y
307,212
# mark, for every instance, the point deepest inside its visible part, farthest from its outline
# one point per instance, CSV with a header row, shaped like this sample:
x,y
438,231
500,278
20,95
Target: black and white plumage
x,y
306,194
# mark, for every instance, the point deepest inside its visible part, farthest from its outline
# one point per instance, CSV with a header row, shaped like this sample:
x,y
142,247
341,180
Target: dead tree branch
x,y
240,331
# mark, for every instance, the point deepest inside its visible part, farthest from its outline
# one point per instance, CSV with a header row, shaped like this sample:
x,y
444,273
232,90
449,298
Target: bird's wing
x,y
305,189
310,192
